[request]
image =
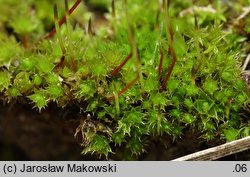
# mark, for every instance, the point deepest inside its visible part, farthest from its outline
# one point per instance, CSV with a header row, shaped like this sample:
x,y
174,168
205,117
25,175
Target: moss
x,y
147,73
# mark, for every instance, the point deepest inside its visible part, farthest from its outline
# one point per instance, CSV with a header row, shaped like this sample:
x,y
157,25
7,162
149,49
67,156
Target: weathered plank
x,y
220,151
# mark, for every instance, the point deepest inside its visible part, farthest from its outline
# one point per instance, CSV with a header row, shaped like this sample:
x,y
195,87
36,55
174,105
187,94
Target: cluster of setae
x,y
149,72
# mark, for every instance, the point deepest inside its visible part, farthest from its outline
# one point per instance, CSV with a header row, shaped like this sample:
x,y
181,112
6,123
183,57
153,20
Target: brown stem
x,y
195,17
25,41
172,51
160,64
113,8
170,69
129,85
118,68
90,31
73,62
61,64
63,20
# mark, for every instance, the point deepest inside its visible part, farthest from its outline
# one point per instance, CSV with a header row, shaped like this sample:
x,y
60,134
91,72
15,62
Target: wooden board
x,y
217,152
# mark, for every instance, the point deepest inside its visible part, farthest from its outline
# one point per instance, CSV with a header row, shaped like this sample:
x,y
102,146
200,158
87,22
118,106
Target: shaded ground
x,y
28,135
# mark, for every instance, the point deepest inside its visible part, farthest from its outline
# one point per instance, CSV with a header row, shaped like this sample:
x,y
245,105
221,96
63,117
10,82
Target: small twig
x,y
246,11
246,62
220,151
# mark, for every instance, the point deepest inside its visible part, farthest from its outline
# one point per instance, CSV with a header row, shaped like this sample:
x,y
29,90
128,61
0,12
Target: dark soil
x,y
26,134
